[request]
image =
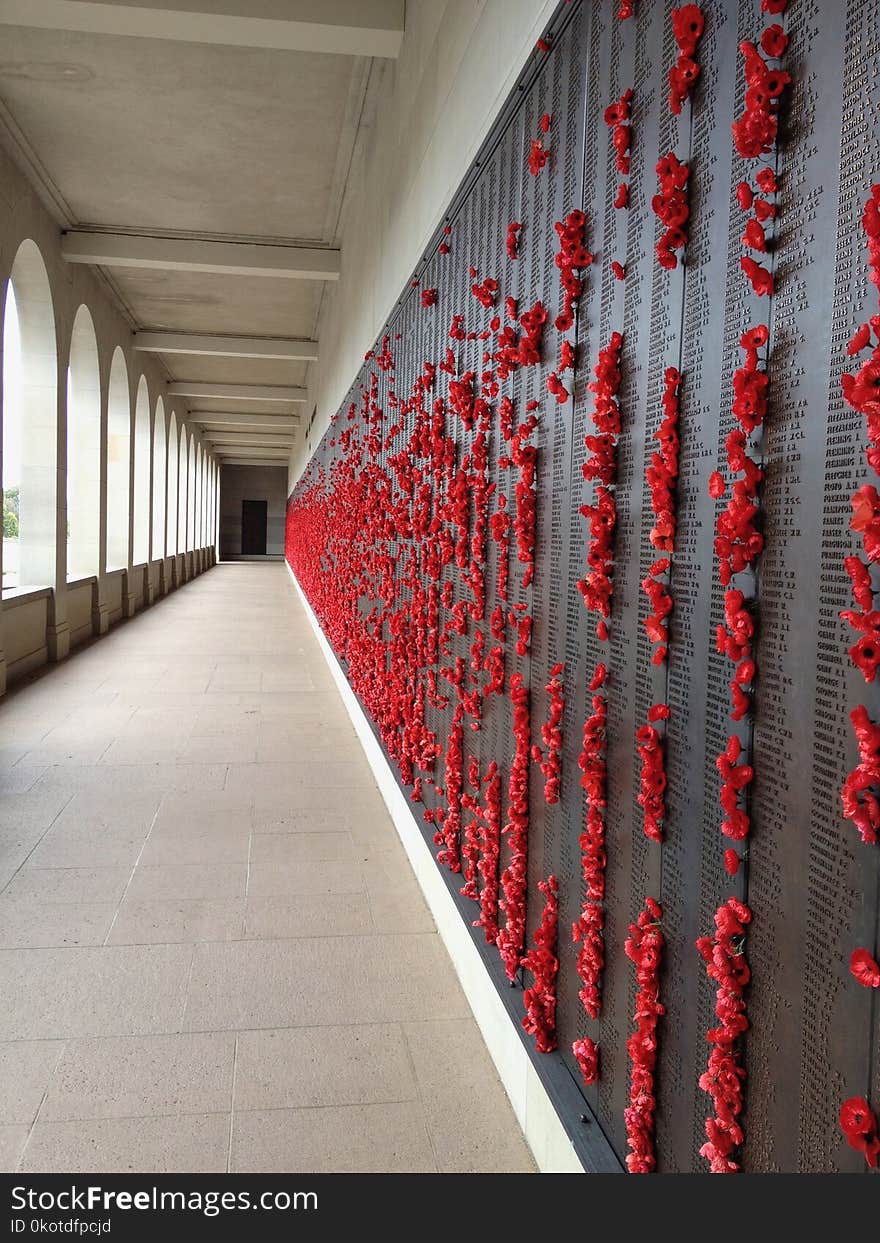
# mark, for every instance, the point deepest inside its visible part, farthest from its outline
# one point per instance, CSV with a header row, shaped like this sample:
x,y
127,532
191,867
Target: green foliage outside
x,y
10,513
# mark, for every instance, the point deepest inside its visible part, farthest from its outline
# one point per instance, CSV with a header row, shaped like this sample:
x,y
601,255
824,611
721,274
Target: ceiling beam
x,y
265,422
237,392
250,461
255,451
268,441
225,347
345,27
176,254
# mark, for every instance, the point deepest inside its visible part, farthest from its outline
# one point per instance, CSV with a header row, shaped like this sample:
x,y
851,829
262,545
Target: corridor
x,y
214,953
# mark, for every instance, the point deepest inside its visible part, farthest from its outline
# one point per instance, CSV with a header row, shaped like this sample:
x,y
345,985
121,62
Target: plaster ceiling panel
x,y
234,370
240,406
153,134
208,302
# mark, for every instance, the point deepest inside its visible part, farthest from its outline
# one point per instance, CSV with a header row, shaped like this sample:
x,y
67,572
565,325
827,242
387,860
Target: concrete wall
x,y
252,483
44,620
427,114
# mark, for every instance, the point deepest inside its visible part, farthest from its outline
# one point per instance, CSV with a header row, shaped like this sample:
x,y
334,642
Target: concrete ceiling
x,y
212,134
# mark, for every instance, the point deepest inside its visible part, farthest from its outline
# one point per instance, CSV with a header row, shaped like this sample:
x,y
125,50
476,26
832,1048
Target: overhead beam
x,y
225,347
250,438
255,451
176,254
237,392
345,27
250,461
266,422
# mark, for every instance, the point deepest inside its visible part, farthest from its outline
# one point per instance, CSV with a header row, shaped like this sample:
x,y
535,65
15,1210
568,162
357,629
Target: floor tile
x,y
186,920
465,1104
297,1067
130,1076
26,1067
12,1142
193,1144
188,880
350,1139
307,915
32,921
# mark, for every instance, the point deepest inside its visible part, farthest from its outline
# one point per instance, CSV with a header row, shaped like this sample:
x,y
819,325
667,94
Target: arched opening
x,y
83,450
171,523
191,496
159,473
200,476
182,477
140,551
30,422
118,462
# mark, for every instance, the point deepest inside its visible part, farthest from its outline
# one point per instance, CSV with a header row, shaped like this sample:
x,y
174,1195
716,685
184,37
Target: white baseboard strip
x,y
541,1125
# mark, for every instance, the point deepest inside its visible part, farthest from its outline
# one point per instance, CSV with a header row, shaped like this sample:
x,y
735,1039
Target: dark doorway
x,y
253,528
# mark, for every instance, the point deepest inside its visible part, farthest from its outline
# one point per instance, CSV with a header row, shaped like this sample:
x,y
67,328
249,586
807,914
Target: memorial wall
x,y
595,538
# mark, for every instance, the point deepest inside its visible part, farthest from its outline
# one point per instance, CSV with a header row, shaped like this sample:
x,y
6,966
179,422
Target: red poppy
x,y
744,195
857,1117
774,40
864,968
731,861
754,236
717,486
774,6
621,198
545,122
865,654
759,277
688,24
860,338
618,270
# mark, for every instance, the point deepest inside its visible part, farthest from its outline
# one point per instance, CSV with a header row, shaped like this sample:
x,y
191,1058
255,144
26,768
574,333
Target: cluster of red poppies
x,y
448,835
586,1054
735,777
754,134
470,849
724,1077
861,391
490,852
571,258
738,541
617,118
538,156
661,474
687,28
511,937
540,998
757,202
551,736
588,928
429,297
644,947
738,544
524,456
597,588
670,206
511,239
652,779
485,291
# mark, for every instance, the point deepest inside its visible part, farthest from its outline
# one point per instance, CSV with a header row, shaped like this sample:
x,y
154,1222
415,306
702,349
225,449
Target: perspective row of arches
x,y
106,480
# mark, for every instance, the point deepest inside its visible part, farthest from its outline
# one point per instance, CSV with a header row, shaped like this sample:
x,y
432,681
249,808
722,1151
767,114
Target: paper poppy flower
x,y
864,968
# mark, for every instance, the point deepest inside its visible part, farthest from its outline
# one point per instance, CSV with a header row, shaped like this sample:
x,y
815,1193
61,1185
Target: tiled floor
x,y
214,953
